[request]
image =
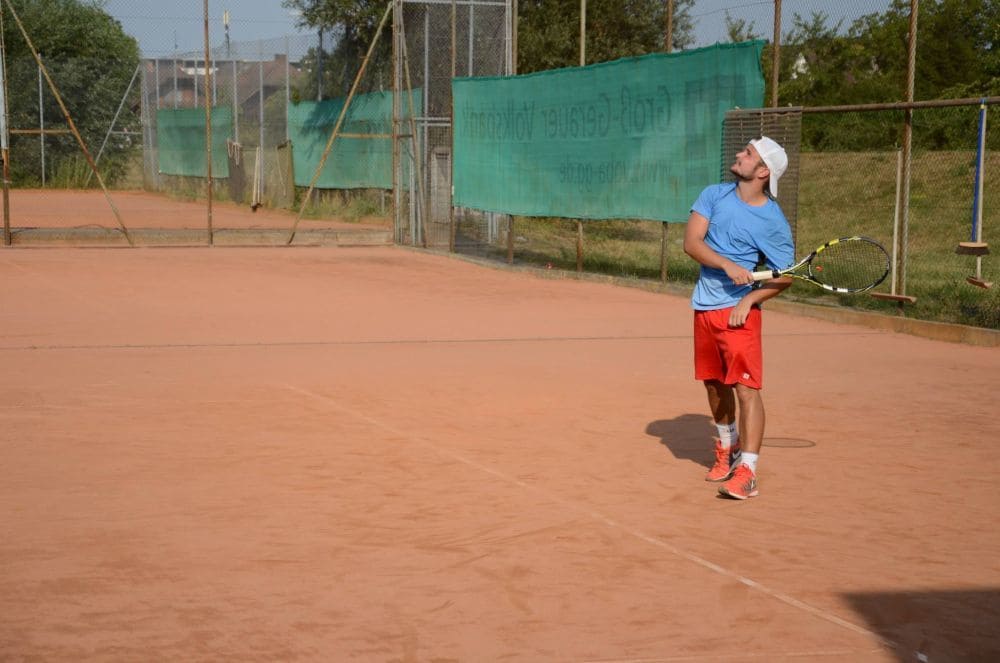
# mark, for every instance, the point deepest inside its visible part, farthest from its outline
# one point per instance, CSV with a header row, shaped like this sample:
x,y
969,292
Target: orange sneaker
x,y
726,461
742,485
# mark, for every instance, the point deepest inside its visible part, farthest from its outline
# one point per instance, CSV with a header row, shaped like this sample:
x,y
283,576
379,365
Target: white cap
x,y
774,157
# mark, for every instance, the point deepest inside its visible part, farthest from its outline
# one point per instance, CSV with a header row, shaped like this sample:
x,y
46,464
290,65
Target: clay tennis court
x,y
379,454
77,217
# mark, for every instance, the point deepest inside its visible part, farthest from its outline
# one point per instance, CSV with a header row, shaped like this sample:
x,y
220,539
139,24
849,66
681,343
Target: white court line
x,y
739,656
595,515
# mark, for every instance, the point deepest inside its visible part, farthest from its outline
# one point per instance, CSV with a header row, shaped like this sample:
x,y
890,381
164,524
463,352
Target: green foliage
x,y
840,193
91,61
738,29
69,173
824,65
349,26
549,31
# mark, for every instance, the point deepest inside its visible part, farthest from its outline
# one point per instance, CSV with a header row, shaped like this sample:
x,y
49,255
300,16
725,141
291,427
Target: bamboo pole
x,y
895,105
397,197
513,38
111,128
414,138
668,47
4,138
776,54
583,62
69,121
907,146
668,41
208,129
340,121
451,161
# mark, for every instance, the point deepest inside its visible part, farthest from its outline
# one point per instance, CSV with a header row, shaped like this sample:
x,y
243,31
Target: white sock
x,y
750,460
727,434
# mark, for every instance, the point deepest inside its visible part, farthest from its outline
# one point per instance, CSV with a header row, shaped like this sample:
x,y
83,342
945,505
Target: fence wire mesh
x,y
472,38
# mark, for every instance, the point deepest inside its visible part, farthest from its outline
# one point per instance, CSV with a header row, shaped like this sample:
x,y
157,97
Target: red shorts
x,y
729,355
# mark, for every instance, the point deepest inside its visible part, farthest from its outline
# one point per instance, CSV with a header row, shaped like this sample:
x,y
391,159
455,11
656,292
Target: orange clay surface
x,y
379,454
63,208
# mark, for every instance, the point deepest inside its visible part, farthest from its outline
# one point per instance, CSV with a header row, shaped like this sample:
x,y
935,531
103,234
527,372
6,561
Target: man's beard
x,y
742,178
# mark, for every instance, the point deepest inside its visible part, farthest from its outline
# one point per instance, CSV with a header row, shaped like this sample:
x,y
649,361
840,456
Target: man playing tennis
x,y
730,226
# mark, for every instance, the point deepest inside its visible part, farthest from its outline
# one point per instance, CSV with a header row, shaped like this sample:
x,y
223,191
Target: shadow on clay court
x,y
688,437
935,626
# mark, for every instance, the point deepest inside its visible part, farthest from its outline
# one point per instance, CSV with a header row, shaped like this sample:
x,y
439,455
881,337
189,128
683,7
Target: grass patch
x,y
345,205
840,194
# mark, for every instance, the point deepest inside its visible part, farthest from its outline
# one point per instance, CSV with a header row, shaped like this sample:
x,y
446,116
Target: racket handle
x,y
766,274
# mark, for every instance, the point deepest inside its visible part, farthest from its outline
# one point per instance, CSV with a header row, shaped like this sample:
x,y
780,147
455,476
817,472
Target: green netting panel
x,y
353,163
634,138
180,134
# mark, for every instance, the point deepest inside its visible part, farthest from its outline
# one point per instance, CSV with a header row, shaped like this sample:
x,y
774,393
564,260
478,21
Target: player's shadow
x,y
688,437
934,625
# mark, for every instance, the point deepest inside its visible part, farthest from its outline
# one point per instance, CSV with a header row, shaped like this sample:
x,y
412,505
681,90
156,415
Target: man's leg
x,y
751,418
722,402
743,483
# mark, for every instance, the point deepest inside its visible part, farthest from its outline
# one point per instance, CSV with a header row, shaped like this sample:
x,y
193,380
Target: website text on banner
x,y
354,163
637,138
181,140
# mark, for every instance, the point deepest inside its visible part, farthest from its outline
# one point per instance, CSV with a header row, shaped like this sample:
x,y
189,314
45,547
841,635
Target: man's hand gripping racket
x,y
845,265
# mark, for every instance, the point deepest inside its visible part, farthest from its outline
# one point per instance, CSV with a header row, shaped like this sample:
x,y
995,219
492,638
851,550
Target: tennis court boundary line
x,y
600,517
390,341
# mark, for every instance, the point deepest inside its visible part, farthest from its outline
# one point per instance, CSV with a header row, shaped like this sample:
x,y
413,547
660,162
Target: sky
x,y
163,28
179,25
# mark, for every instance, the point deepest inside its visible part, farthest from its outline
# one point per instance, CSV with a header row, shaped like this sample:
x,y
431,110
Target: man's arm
x,y
767,290
695,246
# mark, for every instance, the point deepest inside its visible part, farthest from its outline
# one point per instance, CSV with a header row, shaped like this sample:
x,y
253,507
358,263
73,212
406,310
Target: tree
x,y
350,27
739,29
956,43
91,61
549,30
955,57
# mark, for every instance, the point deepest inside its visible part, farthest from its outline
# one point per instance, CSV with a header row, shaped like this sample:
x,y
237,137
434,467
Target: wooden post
x,y
663,252
776,54
668,43
451,159
907,146
510,239
513,38
4,146
208,128
669,46
69,120
340,120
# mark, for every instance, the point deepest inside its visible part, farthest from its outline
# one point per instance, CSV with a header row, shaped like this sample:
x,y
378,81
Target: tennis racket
x,y
845,265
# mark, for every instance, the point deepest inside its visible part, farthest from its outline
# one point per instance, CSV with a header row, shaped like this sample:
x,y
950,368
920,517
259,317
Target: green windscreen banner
x,y
637,138
361,156
180,136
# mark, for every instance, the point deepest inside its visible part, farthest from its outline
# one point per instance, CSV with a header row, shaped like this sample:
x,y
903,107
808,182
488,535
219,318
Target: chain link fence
x,y
862,191
257,82
437,42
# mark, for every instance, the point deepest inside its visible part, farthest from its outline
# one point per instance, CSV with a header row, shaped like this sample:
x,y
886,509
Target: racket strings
x,y
851,264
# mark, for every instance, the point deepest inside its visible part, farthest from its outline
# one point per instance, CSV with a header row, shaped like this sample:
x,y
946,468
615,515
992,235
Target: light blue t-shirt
x,y
738,231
